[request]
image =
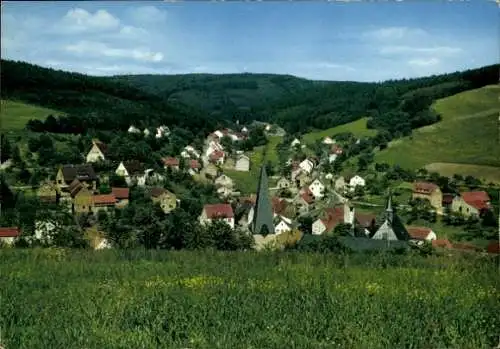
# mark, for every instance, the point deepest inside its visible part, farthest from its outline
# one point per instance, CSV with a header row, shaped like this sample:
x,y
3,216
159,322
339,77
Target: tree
x,y
342,229
5,149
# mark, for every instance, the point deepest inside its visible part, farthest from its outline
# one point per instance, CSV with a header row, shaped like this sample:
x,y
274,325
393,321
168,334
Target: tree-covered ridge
x,y
95,102
300,105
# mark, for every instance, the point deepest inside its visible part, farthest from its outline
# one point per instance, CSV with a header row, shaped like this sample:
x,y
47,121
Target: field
x,y
15,115
467,135
358,128
489,173
56,298
246,182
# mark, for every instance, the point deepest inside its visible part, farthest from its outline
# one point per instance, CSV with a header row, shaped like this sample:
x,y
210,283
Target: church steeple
x,y
263,216
388,209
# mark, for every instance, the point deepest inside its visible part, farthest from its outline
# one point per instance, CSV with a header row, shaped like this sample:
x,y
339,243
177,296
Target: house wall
x,y
281,228
82,202
243,164
318,227
317,188
435,199
168,203
121,170
8,240
95,154
60,180
459,205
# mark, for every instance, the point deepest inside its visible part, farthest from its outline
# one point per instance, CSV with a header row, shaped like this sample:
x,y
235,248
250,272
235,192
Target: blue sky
x,y
317,40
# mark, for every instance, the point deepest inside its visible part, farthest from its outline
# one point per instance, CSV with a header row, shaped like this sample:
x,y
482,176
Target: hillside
x,y
94,102
357,128
467,135
301,106
14,115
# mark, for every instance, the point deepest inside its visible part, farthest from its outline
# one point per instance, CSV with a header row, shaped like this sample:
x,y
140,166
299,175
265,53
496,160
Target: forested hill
x,y
299,104
95,102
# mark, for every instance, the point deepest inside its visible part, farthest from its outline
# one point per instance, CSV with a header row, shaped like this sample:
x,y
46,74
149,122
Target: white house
x,y
9,235
317,189
244,129
421,233
130,170
332,217
224,192
224,181
295,142
328,140
284,225
219,134
283,183
146,132
218,157
133,129
355,181
332,158
217,212
242,163
162,131
97,151
307,166
212,147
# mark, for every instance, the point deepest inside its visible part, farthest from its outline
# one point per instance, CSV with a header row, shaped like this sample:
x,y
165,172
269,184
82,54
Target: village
x,y
307,190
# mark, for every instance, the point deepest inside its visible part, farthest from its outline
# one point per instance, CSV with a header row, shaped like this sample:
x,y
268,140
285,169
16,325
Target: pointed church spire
x,y
389,211
263,216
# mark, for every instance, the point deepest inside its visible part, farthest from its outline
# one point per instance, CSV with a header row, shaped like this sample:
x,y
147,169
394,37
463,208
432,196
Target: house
x,y
150,176
47,192
244,129
332,217
335,149
133,129
68,173
189,152
340,184
103,202
82,200
295,142
282,225
166,199
430,192
366,221
217,212
224,181
224,192
213,146
306,166
130,170
242,163
332,157
283,183
211,170
328,140
447,200
421,233
356,181
304,200
170,162
97,152
392,228
121,195
162,131
146,132
471,203
317,189
194,167
9,234
217,157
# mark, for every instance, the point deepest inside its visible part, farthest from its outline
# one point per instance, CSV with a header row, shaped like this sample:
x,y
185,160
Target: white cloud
x,y
394,33
147,15
424,62
80,20
436,50
96,49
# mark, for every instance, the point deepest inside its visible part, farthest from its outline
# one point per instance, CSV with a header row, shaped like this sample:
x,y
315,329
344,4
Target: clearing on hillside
x,y
357,128
467,134
488,173
15,115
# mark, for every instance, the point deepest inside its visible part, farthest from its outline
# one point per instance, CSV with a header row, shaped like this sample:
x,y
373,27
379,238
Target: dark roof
x,y
133,167
120,193
263,209
103,147
394,222
157,191
81,172
359,244
75,187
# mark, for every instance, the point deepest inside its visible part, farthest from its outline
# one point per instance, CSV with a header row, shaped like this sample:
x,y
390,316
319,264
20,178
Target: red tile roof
x,y
365,219
216,155
493,247
307,196
333,217
9,232
335,149
477,199
218,211
249,199
170,161
194,164
443,243
425,188
120,193
279,205
418,233
104,199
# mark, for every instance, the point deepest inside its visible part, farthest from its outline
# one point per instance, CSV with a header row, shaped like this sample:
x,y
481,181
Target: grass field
x,y
489,173
246,182
467,135
15,115
56,298
358,128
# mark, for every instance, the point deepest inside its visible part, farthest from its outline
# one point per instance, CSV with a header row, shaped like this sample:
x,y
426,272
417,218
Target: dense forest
x,y
300,105
201,102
